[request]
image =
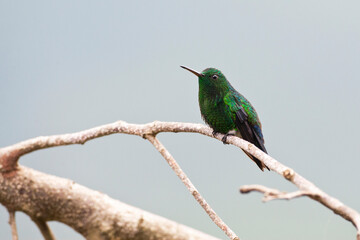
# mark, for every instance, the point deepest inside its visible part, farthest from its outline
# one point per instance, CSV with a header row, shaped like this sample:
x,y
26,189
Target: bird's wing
x,y
249,132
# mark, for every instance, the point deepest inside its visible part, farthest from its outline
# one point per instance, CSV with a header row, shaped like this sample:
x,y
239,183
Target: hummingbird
x,y
228,112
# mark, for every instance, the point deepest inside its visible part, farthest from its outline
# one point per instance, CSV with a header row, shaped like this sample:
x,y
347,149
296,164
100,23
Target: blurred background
x,y
67,66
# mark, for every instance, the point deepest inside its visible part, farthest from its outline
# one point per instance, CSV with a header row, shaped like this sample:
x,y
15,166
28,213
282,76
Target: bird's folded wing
x,y
247,131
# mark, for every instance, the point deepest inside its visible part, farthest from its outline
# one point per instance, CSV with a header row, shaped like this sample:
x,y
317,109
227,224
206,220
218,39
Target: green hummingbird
x,y
228,112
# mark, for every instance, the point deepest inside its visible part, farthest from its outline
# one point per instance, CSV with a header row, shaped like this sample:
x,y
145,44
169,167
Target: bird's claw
x,y
214,133
224,138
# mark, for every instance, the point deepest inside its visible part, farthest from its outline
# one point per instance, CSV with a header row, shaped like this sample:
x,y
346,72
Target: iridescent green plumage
x,y
227,111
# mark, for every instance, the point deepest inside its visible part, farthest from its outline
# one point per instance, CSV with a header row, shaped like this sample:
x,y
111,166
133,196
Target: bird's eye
x,y
214,76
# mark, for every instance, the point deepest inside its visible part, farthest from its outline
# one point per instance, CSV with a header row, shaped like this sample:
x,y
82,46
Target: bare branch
x,y
12,223
9,156
44,229
271,194
304,185
180,173
91,213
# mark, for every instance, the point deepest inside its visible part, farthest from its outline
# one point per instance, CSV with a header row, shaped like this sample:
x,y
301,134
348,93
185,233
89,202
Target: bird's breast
x,y
217,115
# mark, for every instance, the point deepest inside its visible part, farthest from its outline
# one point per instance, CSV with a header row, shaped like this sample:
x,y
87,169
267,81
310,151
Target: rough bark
x,y
93,214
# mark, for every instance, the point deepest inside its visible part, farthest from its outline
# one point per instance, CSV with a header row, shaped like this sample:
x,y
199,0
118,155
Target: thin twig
x,y
44,229
181,174
12,223
271,194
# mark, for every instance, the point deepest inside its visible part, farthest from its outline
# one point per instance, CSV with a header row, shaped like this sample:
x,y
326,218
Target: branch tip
x,y
272,194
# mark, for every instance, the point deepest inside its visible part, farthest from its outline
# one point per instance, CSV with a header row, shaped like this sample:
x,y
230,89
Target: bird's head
x,y
211,78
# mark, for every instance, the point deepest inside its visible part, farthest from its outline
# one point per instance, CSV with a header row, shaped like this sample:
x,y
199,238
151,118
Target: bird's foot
x,y
224,139
214,133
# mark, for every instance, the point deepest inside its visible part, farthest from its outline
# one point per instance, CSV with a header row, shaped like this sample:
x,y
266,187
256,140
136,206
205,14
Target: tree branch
x,y
93,214
180,173
306,187
9,156
44,229
12,223
271,194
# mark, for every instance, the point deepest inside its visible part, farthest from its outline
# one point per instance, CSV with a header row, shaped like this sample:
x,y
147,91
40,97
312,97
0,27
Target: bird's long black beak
x,y
193,71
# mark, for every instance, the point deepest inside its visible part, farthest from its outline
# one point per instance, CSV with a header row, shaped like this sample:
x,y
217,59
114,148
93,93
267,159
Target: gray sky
x,y
66,66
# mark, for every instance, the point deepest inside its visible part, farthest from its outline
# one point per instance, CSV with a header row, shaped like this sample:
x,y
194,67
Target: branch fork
x,y
10,155
271,194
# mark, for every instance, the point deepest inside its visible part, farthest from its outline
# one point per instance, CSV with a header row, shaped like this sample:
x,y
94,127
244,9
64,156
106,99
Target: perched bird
x,y
228,112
